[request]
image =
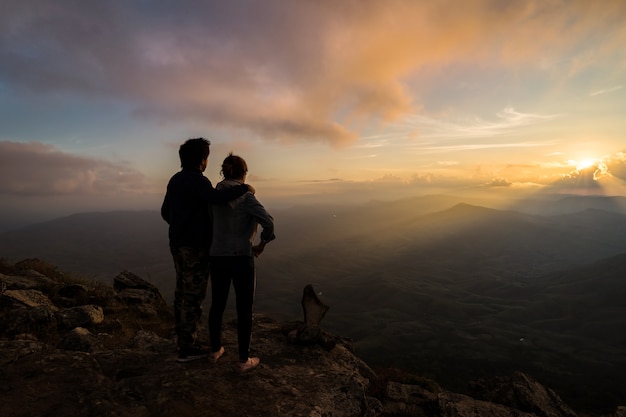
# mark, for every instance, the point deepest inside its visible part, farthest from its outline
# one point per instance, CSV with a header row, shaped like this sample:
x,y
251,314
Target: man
x,y
186,208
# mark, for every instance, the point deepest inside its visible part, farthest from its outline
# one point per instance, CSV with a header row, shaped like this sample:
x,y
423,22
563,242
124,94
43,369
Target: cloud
x,y
607,90
500,182
586,179
507,121
479,146
616,165
286,71
36,169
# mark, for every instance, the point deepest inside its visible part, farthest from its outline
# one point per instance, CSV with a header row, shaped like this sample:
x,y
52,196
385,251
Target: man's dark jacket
x,y
186,207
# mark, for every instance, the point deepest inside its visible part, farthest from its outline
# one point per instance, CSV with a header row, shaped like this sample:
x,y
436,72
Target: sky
x,y
328,101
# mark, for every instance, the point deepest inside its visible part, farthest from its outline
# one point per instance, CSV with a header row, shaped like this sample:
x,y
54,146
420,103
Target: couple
x,y
211,232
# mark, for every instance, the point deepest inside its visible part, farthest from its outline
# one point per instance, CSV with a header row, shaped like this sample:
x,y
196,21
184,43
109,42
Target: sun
x,y
585,163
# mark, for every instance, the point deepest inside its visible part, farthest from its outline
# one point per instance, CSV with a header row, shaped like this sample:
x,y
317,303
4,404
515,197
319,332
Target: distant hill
x,y
96,245
426,237
555,205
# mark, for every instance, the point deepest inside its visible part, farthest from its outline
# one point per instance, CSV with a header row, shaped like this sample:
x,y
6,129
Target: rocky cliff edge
x,y
73,348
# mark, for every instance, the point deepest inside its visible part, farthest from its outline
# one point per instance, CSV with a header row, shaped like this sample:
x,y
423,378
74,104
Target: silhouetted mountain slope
x,y
575,318
517,243
592,299
465,238
95,244
555,205
562,327
307,226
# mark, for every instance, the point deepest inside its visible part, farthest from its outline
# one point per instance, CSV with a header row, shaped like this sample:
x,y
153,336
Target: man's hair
x,y
193,152
234,167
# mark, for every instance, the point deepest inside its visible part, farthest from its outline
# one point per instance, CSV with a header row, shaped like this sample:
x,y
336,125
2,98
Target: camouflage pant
x,y
192,277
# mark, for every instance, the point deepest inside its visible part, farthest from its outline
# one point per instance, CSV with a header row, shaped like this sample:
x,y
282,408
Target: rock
x,y
309,331
134,289
457,405
314,309
409,400
39,321
28,298
54,382
145,340
522,392
27,311
72,295
81,316
14,350
81,340
73,291
28,280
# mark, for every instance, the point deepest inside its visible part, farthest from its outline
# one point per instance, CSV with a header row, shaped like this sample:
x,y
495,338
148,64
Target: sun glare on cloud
x,y
585,163
598,166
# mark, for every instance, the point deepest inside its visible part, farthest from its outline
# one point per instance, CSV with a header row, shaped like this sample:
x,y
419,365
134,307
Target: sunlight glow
x,y
597,167
584,163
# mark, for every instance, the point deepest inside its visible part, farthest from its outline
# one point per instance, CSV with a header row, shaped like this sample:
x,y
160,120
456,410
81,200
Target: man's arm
x,y
223,195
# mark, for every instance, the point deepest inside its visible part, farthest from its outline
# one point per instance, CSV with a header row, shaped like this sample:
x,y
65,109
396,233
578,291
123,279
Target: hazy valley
x,y
452,289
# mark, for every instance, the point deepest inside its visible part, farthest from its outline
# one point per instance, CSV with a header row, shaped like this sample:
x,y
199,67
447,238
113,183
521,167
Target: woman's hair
x,y
193,152
234,167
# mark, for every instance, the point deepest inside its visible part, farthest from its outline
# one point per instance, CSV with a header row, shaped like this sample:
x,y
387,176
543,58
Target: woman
x,y
232,259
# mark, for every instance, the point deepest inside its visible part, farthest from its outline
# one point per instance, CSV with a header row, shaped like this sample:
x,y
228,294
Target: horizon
x,y
328,103
542,204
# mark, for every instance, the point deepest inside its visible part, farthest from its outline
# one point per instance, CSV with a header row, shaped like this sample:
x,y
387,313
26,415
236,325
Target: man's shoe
x,y
188,354
248,365
216,355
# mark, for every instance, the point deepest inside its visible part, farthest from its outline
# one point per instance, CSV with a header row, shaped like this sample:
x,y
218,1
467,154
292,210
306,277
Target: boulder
x,y
452,404
80,340
522,392
81,316
27,298
136,290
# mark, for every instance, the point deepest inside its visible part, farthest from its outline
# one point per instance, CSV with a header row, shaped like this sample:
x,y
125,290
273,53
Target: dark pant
x,y
192,278
240,271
